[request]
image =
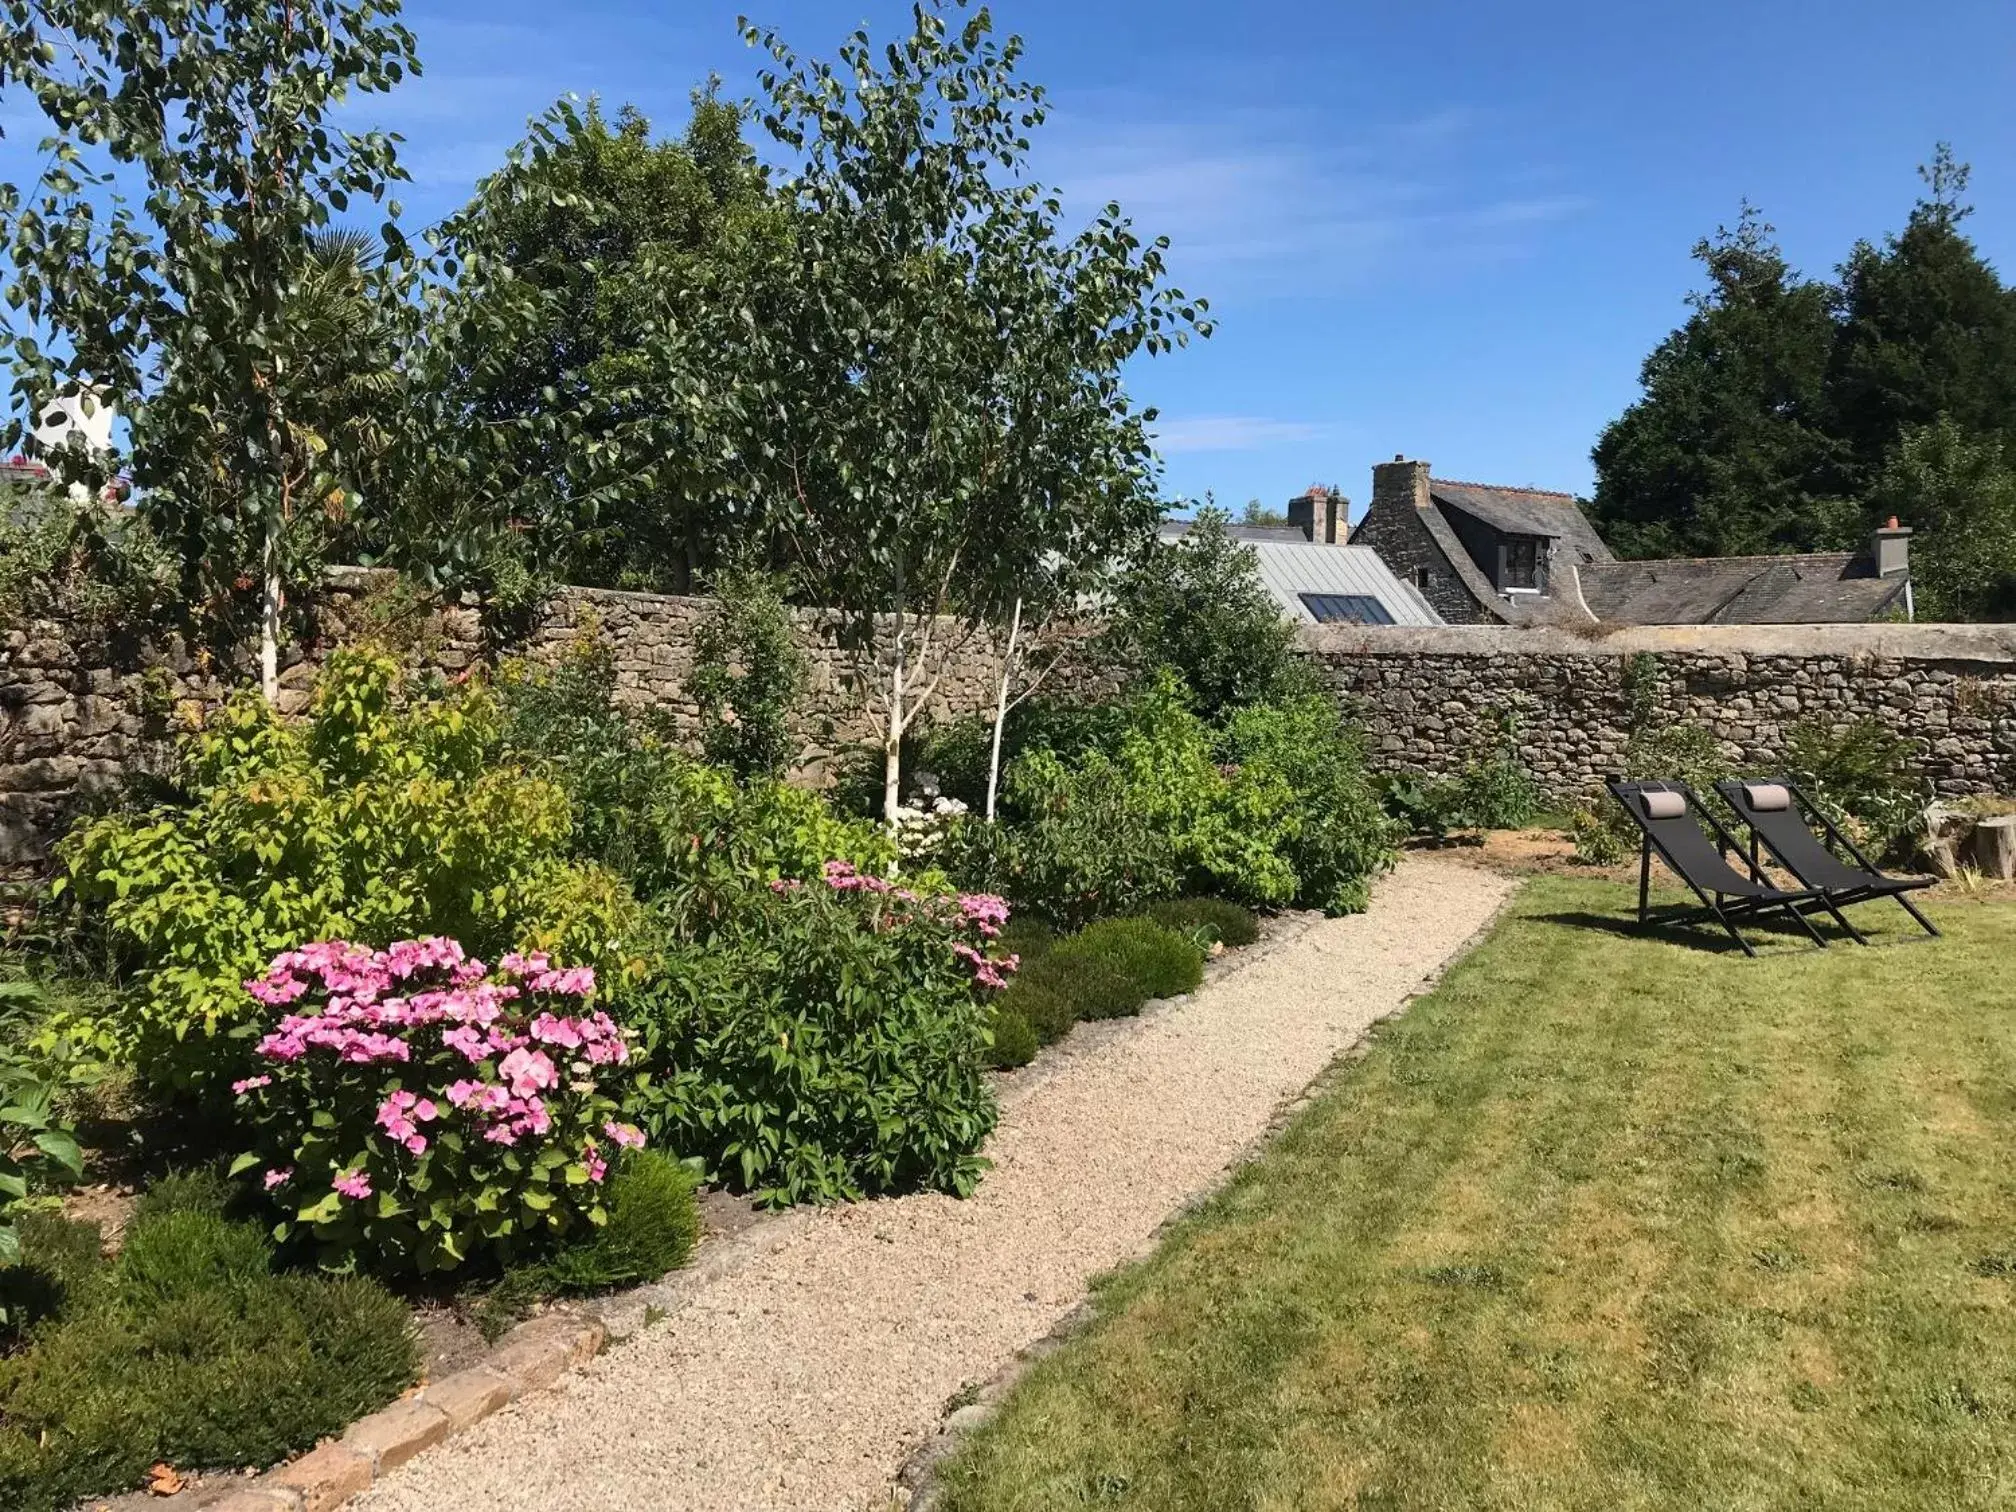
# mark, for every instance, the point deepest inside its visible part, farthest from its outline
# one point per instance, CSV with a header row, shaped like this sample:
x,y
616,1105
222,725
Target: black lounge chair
x,y
1781,816
1669,816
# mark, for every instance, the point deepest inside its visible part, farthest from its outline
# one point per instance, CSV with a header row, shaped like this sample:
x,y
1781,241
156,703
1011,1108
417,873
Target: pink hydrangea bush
x,y
414,1108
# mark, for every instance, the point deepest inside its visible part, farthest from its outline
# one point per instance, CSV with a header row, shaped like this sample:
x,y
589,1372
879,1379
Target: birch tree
x,y
928,367
191,166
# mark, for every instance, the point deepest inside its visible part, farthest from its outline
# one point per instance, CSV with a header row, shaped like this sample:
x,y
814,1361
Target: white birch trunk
x,y
892,746
270,604
1001,711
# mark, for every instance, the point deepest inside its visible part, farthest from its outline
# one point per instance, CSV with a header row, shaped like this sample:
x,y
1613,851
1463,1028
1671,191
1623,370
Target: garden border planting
x,y
791,1400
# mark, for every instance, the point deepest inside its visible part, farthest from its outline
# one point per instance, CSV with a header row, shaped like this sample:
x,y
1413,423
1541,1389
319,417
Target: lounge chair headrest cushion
x,y
1663,805
1766,796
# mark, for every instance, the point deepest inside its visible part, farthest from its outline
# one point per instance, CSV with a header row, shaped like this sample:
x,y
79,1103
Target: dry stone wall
x,y
81,709
1431,699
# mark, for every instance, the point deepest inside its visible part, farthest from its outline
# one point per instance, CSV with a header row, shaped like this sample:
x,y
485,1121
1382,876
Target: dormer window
x,y
1522,563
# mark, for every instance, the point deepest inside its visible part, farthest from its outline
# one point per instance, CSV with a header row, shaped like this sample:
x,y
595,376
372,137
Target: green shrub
x,y
1048,1012
826,1043
748,673
80,562
36,1148
383,817
1160,962
1199,608
60,1265
198,1189
1015,1042
1602,837
1676,752
189,1349
1495,794
653,1223
1080,844
1329,825
686,835
1219,921
1026,937
1856,773
1417,805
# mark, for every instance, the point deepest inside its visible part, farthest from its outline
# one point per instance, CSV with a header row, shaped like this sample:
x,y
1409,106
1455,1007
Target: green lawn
x,y
1606,1222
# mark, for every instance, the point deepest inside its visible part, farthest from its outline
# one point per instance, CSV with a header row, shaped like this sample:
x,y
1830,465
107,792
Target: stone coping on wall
x,y
1899,642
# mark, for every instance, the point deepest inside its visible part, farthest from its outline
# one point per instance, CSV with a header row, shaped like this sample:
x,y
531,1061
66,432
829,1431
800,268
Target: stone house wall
x,y
1392,526
1431,699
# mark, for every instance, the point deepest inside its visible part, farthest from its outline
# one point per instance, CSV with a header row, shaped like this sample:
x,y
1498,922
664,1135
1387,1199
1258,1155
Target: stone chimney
x,y
1400,482
1891,546
1318,504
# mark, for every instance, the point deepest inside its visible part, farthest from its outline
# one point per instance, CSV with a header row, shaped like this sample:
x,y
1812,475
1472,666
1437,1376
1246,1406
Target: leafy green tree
x,y
1958,490
1726,453
183,309
919,390
1927,330
581,238
1198,607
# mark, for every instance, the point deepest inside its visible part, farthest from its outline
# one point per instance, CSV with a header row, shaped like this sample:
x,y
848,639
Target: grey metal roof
x,y
1525,511
1810,589
1292,570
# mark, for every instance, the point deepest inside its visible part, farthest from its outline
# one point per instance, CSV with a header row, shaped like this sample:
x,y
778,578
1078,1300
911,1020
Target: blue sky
x,y
1449,230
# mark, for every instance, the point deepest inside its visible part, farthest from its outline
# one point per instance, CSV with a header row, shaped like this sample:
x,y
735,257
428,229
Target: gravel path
x,y
803,1375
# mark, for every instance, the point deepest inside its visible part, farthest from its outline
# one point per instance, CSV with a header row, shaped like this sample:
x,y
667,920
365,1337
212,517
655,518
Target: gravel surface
x,y
803,1375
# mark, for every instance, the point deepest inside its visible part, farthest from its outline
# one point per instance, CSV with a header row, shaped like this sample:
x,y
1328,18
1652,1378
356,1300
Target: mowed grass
x,y
1605,1222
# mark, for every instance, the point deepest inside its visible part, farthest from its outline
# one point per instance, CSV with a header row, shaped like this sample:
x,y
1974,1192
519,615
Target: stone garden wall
x,y
82,708
1431,700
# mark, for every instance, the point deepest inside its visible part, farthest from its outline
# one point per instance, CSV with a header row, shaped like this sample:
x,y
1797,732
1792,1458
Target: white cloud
x,y
1269,200
1229,433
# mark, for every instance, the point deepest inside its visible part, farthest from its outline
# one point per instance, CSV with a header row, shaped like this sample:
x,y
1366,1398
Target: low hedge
x,y
1109,969
653,1224
1216,918
1015,1041
1048,1010
187,1349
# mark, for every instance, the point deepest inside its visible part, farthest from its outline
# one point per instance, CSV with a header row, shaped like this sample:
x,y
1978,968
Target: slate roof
x,y
1525,511
1280,535
1814,588
1290,571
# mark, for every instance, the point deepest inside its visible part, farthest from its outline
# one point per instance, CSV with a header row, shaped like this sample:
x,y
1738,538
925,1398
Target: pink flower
x,y
549,1030
279,1176
597,1166
472,1044
626,1136
416,1144
282,1047
425,1110
242,1087
528,1071
353,1184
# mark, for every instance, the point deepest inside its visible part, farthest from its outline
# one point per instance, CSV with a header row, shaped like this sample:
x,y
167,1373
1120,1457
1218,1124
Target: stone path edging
x,y
531,1357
